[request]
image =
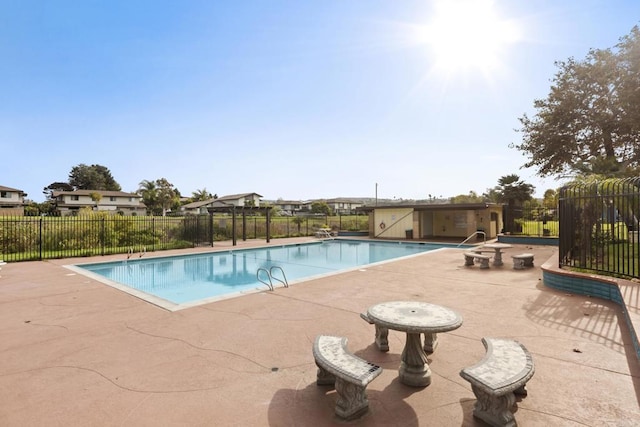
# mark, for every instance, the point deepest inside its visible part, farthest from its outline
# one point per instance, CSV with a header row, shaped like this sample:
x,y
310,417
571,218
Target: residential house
x,y
287,207
238,200
11,201
70,202
344,206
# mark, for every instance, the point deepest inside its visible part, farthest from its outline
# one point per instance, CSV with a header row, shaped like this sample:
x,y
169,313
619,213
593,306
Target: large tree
x,y
512,191
590,121
159,196
94,177
56,186
472,197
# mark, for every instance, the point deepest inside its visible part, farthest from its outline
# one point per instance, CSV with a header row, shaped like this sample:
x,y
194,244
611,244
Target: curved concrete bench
x,y
349,373
497,378
469,257
522,261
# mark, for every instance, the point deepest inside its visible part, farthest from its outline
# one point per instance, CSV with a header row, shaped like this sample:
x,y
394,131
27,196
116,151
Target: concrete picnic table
x,y
497,247
415,318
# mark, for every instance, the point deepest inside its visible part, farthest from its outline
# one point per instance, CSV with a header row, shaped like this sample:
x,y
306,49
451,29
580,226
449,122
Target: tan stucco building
x,y
434,221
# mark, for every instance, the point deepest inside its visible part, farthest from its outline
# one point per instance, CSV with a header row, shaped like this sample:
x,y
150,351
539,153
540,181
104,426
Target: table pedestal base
x,y
497,259
414,369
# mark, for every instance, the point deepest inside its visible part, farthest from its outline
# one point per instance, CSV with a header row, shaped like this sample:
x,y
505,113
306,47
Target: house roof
x,y
101,192
220,201
284,202
237,196
3,188
343,200
199,204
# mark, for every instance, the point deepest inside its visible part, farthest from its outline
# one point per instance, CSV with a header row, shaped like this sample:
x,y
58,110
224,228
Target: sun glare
x,y
468,36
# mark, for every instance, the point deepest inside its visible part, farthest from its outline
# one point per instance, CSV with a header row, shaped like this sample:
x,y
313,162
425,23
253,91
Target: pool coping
x,y
173,306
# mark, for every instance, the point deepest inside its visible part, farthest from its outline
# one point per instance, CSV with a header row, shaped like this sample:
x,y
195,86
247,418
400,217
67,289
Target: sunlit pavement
x,y
76,352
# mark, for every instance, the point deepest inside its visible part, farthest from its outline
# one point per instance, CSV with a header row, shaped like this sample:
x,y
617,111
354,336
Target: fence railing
x,y
24,238
531,221
599,227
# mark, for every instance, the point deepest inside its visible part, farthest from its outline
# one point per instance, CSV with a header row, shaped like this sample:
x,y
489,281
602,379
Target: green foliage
x,y
590,121
159,196
201,196
472,197
94,177
56,186
550,199
321,208
512,191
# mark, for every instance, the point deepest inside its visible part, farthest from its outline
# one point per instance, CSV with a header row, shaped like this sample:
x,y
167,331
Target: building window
x,y
5,195
75,197
112,199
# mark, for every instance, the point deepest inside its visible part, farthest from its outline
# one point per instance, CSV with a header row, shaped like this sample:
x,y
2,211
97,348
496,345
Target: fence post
x,y
268,225
102,236
40,240
211,228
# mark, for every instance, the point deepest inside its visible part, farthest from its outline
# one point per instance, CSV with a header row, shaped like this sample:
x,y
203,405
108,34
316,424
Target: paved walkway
x,y
75,352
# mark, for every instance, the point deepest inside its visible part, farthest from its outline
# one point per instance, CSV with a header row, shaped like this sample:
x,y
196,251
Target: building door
x,y
426,224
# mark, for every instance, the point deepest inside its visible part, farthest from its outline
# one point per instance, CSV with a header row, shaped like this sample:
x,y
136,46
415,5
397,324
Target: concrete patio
x,y
75,352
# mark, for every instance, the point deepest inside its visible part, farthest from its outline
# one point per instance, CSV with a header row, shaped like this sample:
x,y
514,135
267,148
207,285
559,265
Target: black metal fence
x,y
525,221
24,238
599,227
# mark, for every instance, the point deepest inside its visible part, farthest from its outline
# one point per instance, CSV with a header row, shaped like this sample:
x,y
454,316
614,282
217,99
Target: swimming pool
x,y
178,281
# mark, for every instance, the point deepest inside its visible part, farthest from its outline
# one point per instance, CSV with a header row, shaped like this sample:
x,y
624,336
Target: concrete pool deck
x,y
76,352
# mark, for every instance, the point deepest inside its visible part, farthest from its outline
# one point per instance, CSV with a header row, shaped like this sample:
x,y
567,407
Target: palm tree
x,y
200,195
149,192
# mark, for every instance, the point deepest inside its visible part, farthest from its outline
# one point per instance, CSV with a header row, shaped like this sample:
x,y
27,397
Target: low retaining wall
x,y
353,233
528,240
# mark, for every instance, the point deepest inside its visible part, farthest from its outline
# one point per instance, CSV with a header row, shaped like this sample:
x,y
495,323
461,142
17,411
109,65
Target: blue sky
x,y
289,99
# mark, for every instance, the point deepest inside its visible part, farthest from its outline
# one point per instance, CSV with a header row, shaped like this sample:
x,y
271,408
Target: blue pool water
x,y
188,278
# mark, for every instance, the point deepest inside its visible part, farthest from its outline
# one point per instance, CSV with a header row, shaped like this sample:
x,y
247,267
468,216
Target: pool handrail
x,y
271,277
284,281
484,235
270,283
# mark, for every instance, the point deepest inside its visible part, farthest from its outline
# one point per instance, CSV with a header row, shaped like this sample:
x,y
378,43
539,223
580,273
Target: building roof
x,y
15,190
101,192
343,200
432,207
220,201
199,203
237,196
285,202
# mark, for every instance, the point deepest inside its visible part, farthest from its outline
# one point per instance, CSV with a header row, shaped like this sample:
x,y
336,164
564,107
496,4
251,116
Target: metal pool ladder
x,y
271,277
